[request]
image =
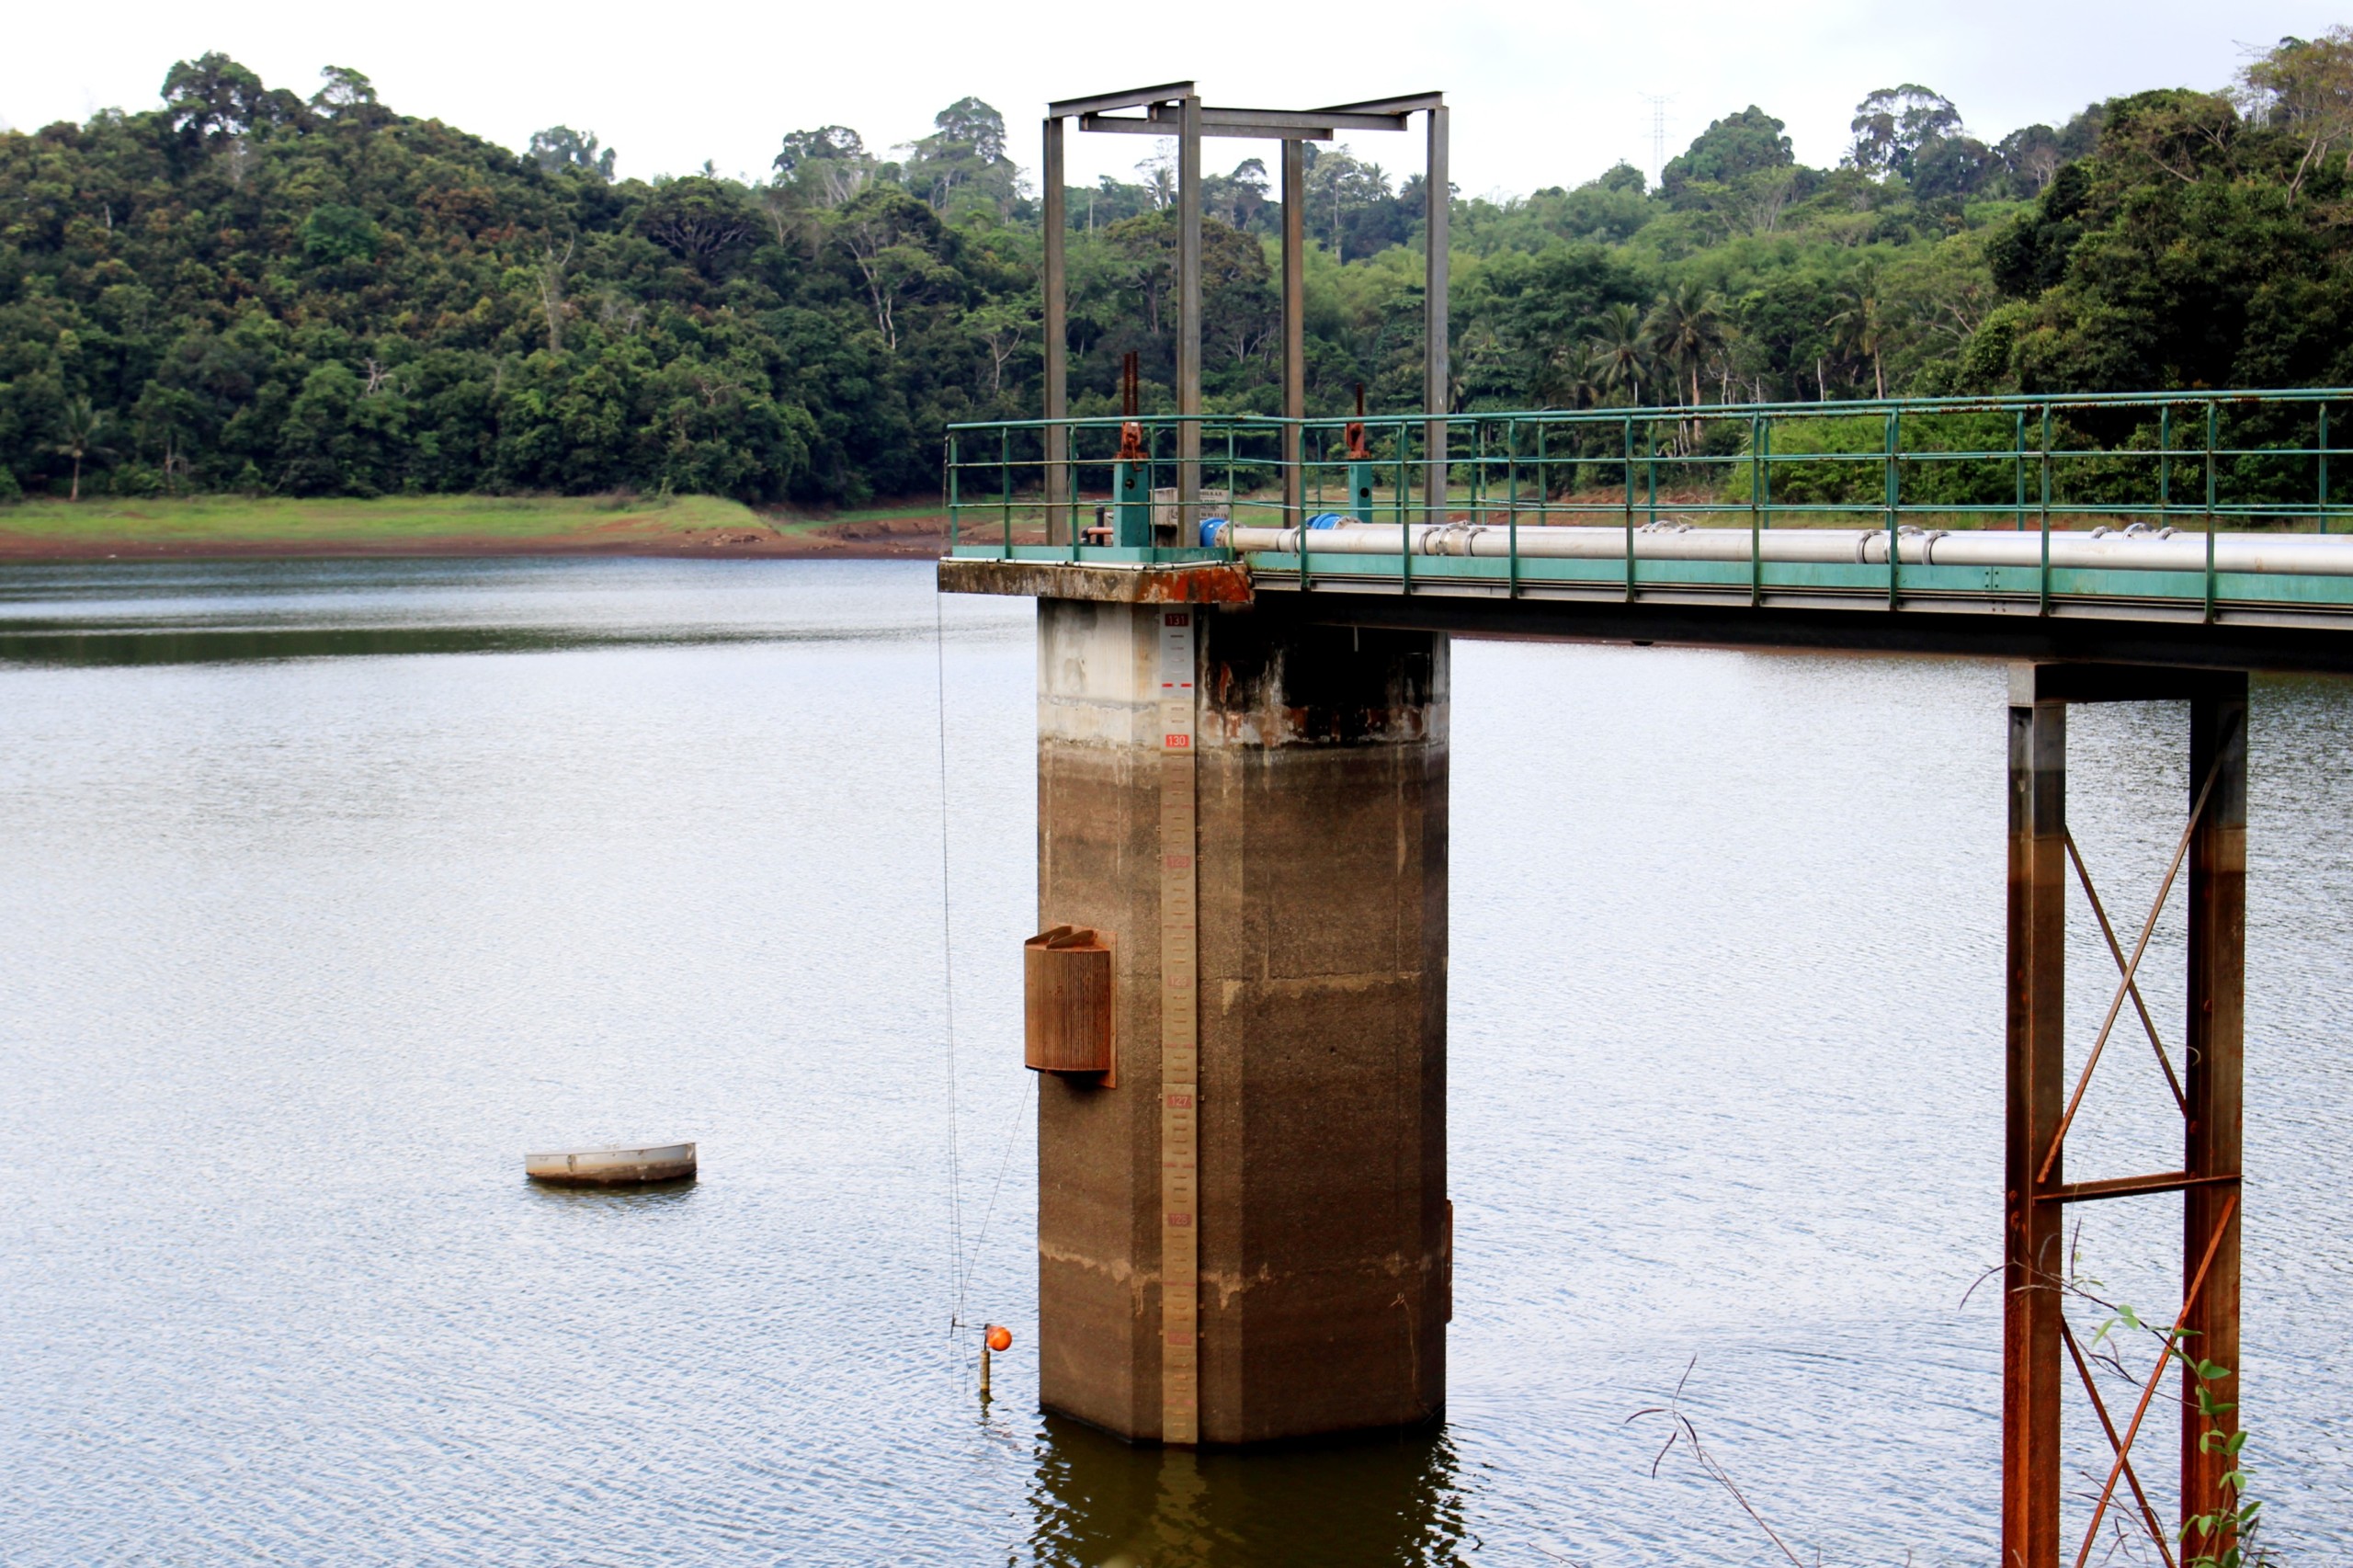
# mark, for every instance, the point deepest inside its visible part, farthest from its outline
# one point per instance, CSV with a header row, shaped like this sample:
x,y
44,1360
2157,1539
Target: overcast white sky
x,y
1544,93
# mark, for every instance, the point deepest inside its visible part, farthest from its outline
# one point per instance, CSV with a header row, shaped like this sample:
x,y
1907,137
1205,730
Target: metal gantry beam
x,y
1189,320
1056,310
1218,122
1411,103
1437,394
1320,123
1294,326
1131,97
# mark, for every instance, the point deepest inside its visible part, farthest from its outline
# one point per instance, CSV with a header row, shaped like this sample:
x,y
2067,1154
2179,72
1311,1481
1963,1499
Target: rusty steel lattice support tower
x,y
2038,1343
1175,109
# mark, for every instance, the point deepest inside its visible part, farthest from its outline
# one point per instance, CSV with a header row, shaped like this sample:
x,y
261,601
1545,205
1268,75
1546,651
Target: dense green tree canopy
x,y
247,289
1732,148
2190,249
559,148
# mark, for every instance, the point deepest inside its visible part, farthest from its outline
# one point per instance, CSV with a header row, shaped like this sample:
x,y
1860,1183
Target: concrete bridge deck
x,y
1939,610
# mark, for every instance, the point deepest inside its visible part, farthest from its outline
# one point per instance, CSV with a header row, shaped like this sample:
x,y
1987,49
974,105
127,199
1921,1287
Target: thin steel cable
x,y
947,981
1005,1160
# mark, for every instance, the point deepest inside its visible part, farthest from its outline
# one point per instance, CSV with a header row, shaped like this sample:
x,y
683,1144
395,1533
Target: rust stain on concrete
x,y
1207,583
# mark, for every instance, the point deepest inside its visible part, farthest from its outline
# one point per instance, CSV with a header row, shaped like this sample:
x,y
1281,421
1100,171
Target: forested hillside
x,y
248,290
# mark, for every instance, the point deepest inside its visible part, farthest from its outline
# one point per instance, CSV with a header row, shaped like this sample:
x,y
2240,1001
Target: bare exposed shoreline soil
x,y
858,541
919,534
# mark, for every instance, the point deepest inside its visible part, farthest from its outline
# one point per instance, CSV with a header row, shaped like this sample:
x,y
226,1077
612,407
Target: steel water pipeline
x,y
2138,548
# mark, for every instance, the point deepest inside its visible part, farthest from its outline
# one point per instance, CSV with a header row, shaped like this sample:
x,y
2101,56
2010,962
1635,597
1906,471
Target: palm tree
x,y
1861,327
1478,364
1685,330
1572,376
1621,353
82,433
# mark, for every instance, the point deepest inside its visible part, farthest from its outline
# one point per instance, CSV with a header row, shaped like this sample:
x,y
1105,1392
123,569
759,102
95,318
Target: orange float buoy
x,y
994,1336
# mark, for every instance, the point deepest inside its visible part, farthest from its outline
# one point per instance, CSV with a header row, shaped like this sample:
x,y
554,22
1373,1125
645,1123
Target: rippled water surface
x,y
327,890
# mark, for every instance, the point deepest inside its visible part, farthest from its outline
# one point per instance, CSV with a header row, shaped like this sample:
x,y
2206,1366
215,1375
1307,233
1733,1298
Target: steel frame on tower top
x,y
1175,109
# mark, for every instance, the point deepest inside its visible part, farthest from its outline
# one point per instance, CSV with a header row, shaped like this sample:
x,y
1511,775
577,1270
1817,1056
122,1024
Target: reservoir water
x,y
327,890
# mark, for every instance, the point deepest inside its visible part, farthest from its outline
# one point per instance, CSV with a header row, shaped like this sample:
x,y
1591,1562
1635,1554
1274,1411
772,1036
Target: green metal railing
x,y
2194,462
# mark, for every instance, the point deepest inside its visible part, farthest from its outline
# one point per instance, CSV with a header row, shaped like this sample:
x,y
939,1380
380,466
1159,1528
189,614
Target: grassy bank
x,y
241,520
453,524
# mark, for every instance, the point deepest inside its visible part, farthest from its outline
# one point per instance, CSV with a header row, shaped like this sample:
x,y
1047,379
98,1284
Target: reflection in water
x,y
178,645
161,613
1101,1503
652,1199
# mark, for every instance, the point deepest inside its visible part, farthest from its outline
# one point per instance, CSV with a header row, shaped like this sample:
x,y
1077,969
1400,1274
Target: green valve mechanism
x,y
1131,496
1131,469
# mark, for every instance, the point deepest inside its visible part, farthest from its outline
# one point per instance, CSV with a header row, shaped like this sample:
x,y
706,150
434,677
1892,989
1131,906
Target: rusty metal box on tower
x,y
1066,973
